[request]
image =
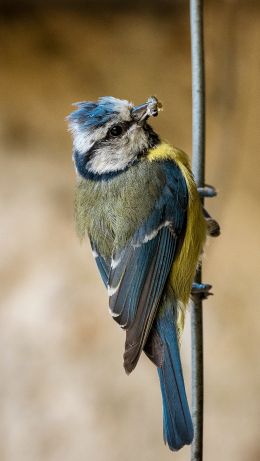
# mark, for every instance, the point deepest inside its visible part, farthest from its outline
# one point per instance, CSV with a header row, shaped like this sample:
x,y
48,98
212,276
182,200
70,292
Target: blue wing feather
x,y
102,264
149,302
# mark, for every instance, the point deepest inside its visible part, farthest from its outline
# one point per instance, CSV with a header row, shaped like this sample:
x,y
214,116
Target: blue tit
x,y
137,201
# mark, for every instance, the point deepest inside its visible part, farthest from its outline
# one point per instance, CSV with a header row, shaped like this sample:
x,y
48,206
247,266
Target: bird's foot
x,y
213,227
201,290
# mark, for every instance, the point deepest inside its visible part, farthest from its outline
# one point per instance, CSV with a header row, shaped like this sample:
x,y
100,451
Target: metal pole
x,y
198,167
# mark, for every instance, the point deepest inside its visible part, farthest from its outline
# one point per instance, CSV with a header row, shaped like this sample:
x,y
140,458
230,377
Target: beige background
x,y
63,392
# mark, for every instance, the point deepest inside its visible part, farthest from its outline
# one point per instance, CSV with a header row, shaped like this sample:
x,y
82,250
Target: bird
x,y
137,202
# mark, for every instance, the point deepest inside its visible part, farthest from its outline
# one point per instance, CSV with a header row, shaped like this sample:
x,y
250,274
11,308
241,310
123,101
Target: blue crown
x,y
94,114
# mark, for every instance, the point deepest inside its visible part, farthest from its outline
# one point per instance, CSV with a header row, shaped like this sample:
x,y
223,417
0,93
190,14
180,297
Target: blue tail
x,y
177,423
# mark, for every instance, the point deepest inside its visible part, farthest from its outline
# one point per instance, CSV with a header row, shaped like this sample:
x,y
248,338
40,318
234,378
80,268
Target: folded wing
x,y
139,271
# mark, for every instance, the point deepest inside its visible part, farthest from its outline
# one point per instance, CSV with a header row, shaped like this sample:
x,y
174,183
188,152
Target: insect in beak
x,y
144,111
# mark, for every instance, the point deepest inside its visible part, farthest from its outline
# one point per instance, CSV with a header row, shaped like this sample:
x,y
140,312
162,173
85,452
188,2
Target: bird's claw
x,y
201,290
213,227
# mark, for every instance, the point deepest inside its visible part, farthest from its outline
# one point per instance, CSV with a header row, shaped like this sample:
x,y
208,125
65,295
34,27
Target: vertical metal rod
x,y
198,167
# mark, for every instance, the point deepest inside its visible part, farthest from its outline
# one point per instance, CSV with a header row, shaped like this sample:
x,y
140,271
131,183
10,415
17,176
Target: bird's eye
x,y
116,130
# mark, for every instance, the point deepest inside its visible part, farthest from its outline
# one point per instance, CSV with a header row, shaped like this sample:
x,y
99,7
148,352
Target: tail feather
x,y
177,423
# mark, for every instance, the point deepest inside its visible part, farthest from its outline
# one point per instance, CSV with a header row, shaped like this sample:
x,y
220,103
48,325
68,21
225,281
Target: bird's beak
x,y
149,109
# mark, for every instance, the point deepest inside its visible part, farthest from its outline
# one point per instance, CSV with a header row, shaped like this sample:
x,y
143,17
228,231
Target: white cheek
x,y
102,162
84,140
138,139
82,143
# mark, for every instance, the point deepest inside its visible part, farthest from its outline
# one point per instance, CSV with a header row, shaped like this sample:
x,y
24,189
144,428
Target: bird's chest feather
x,y
110,211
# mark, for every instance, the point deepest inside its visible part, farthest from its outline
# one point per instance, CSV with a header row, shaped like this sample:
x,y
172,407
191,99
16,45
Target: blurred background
x,y
64,395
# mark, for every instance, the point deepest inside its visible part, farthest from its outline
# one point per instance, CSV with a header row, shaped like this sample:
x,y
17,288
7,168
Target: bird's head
x,y
111,134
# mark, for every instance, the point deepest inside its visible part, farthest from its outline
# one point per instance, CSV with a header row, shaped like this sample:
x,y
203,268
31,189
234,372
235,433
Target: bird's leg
x,y
213,227
201,290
